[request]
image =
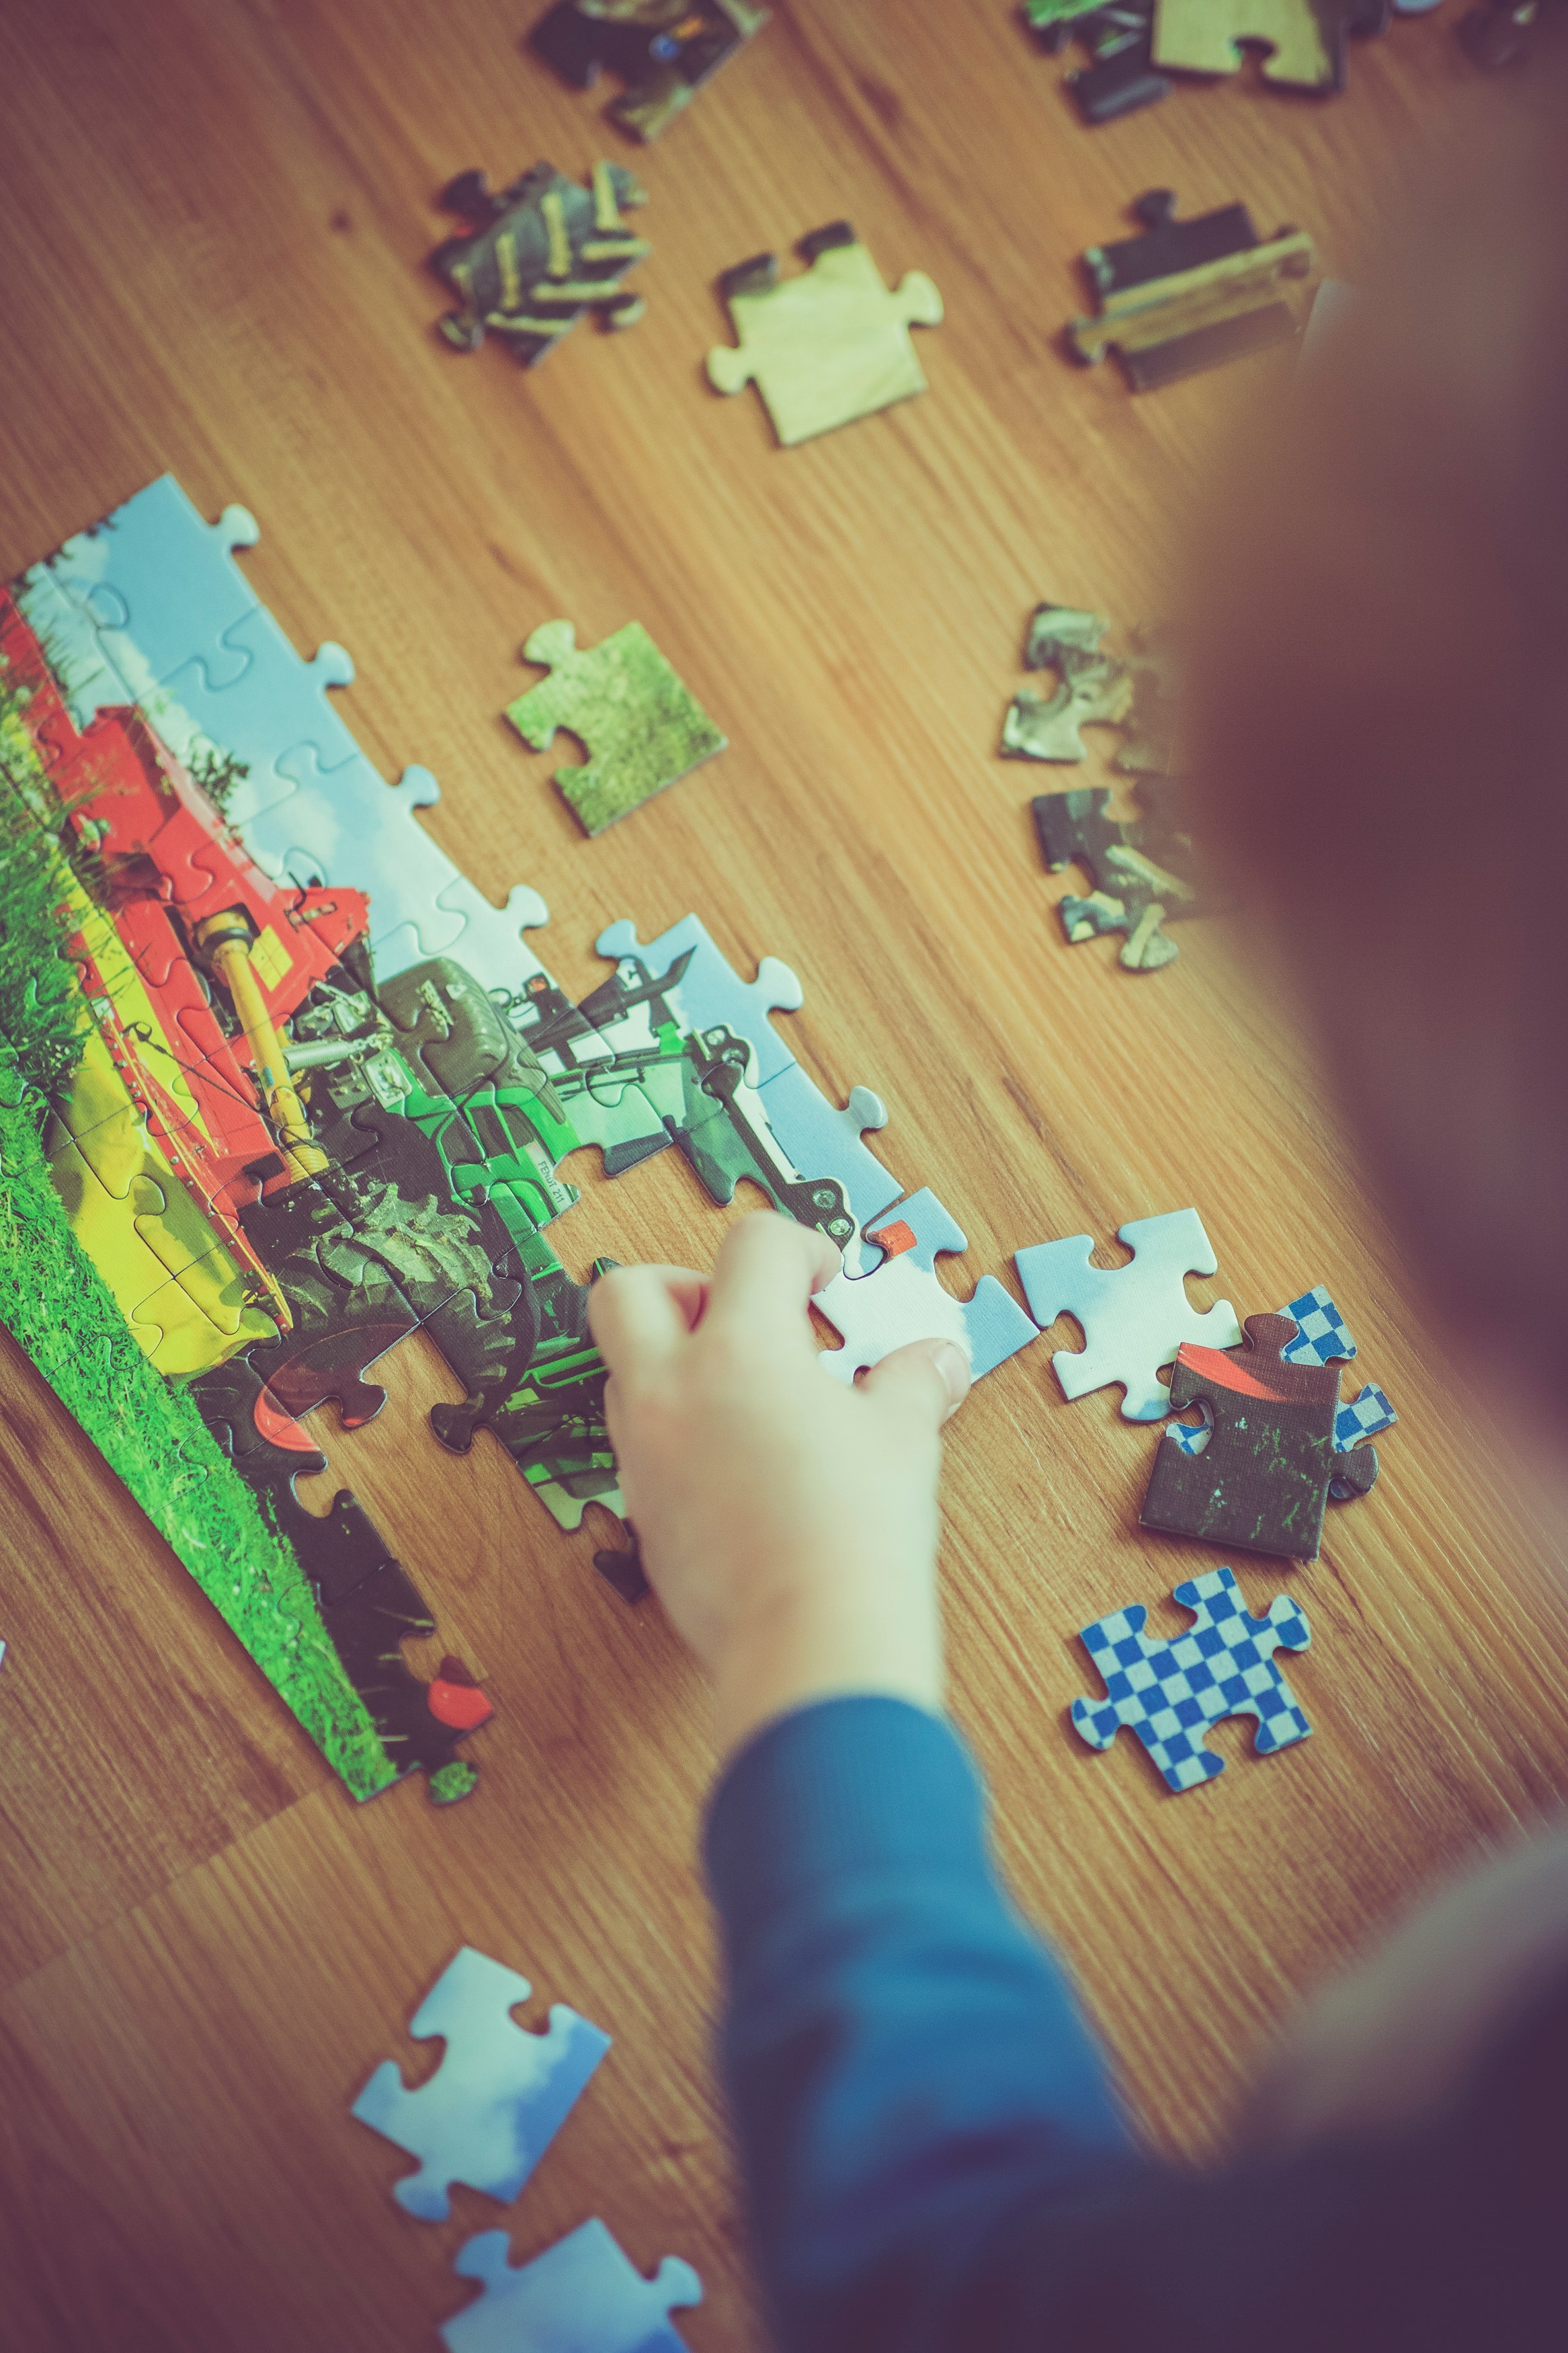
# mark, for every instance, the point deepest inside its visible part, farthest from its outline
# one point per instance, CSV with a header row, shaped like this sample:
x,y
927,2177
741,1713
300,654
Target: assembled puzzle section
x,y
537,255
581,2296
641,727
1170,1693
1119,40
1187,295
1307,40
664,50
498,2097
828,345
1263,1473
1135,1318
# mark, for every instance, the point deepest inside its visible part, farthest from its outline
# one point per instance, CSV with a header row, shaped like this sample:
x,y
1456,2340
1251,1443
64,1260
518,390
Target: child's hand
x,y
788,1525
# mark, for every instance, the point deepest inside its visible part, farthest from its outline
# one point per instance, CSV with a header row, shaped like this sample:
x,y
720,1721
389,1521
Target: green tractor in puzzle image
x,y
444,1116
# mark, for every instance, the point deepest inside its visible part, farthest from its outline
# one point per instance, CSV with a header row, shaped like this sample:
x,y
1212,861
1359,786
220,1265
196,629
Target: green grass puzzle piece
x,y
828,345
641,728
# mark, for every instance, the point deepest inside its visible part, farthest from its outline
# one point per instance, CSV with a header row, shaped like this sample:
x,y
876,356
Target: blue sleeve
x,y
905,2061
935,2162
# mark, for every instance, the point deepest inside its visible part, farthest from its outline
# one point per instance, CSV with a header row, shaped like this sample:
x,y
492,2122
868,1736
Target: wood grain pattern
x,y
216,213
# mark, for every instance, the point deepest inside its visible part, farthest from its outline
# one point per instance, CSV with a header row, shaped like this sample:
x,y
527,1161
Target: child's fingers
x,y
637,1312
767,1269
926,1378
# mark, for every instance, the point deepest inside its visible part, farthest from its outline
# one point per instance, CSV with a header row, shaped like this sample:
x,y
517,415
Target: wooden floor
x,y
217,214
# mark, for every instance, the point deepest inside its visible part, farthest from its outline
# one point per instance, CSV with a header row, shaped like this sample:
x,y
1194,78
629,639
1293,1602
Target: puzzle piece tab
x,y
901,1300
537,255
581,2296
642,728
1170,1693
1134,1318
664,50
830,345
498,2097
1263,1472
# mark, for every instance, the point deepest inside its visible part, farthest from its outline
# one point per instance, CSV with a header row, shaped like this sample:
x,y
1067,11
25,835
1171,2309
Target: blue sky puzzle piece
x,y
154,571
581,2296
822,1141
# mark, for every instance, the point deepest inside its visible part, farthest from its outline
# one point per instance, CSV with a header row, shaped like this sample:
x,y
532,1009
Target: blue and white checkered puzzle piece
x,y
498,2099
581,2296
1170,1693
1322,1333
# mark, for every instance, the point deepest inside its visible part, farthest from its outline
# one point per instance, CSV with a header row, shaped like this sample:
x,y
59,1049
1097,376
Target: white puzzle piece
x,y
1135,1317
581,2296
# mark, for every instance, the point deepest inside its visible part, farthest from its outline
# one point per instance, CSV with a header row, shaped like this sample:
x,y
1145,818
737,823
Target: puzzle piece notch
x,y
581,2296
1170,1693
664,53
1120,41
498,2097
1134,1318
828,345
901,1300
537,255
1262,1479
1187,295
1308,39
642,728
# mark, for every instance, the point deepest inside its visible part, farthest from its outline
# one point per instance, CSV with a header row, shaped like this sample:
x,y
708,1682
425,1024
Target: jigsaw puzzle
x,y
1170,1693
664,50
1135,1319
901,1300
1262,1472
1119,39
537,255
1093,689
1307,39
641,727
828,345
278,1087
1187,295
498,2097
581,2296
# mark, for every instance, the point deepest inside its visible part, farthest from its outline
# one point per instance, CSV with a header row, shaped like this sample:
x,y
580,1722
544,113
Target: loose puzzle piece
x,y
498,2097
537,255
1170,1693
1307,38
582,2295
1120,40
1262,1479
1094,688
828,345
1187,295
1134,1318
642,728
901,1300
1143,871
663,49
1321,1337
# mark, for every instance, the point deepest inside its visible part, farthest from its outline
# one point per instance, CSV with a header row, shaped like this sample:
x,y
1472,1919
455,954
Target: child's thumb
x,y
927,1380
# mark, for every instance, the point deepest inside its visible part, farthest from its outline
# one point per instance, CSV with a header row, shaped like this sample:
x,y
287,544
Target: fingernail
x,y
953,1366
